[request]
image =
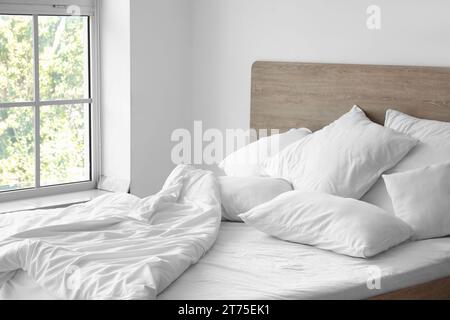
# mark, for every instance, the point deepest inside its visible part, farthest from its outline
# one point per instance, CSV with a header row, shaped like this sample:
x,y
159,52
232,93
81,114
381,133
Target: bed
x,y
294,95
247,264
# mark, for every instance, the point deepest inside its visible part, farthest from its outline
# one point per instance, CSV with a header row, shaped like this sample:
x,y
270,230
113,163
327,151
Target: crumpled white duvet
x,y
116,246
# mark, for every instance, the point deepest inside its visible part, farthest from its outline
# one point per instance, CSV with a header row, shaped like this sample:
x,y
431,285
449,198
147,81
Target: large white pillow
x,y
345,158
433,148
246,162
345,226
421,198
239,195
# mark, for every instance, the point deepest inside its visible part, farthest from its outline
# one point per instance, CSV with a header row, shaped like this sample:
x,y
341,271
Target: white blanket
x,y
117,246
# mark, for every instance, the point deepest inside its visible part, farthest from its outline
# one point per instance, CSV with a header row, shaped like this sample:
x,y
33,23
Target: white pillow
x,y
421,198
345,158
246,162
239,195
433,148
345,226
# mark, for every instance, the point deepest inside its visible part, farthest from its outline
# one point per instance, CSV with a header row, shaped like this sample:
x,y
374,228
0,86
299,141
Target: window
x,y
46,102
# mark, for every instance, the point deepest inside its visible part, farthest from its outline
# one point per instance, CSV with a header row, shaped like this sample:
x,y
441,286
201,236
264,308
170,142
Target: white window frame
x,y
41,191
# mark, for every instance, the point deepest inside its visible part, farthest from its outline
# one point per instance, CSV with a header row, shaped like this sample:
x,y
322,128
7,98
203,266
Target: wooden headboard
x,y
292,95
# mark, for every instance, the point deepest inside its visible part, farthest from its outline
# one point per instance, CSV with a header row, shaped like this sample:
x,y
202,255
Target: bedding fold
x,y
117,246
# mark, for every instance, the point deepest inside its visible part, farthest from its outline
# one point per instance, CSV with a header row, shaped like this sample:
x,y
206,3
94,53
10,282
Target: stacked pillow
x,y
345,226
334,167
244,187
239,195
433,148
247,161
345,158
418,188
421,198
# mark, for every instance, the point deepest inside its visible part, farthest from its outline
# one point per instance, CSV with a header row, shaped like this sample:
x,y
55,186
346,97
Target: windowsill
x,y
50,202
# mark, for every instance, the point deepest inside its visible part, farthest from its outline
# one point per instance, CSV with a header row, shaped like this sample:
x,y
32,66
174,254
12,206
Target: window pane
x,y
16,148
65,150
63,58
16,59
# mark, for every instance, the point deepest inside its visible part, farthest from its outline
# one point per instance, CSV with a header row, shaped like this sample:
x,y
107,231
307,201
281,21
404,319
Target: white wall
x,y
115,87
229,35
161,65
191,60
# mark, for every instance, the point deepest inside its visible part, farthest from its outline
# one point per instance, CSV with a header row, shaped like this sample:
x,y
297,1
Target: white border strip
x,y
31,9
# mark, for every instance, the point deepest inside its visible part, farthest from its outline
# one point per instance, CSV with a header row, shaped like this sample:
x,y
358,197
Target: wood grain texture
x,y
435,290
291,95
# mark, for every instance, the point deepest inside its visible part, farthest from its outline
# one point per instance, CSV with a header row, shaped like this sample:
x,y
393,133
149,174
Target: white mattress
x,y
247,264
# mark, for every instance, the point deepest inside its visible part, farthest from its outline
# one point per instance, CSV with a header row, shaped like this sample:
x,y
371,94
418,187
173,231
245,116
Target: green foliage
x,y
16,59
64,130
62,56
16,148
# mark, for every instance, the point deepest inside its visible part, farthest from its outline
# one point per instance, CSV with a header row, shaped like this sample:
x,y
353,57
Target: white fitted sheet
x,y
247,264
